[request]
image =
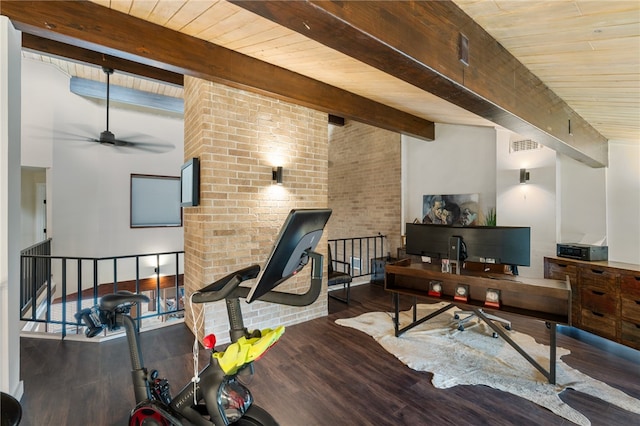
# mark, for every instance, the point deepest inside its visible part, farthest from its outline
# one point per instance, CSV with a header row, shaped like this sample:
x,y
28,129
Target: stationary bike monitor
x,y
300,233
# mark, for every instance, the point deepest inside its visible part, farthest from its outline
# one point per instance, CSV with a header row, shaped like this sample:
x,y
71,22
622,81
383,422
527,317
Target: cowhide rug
x,y
474,357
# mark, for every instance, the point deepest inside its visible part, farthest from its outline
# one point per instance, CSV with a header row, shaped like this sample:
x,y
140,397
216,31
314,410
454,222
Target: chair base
x,y
471,315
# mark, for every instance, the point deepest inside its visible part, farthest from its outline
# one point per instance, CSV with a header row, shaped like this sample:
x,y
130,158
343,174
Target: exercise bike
x,y
216,395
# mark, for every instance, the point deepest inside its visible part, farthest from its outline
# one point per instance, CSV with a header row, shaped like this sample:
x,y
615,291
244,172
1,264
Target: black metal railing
x,y
358,252
54,288
34,272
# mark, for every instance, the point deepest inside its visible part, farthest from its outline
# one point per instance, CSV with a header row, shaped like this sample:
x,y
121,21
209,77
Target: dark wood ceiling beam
x,y
66,51
418,42
94,27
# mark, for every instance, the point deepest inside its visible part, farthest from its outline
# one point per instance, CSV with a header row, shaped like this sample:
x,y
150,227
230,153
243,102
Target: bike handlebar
x,y
223,287
229,286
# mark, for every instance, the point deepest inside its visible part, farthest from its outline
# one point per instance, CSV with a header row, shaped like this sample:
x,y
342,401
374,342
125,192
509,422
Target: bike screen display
x,y
299,234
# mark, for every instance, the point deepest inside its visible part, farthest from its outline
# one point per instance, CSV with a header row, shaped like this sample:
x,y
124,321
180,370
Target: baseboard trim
x,y
614,348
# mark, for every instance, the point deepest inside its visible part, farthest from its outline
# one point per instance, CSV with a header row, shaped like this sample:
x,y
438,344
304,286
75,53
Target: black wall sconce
x,y
276,175
524,176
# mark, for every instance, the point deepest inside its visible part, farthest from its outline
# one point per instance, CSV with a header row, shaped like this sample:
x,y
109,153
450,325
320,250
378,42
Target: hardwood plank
x,y
318,374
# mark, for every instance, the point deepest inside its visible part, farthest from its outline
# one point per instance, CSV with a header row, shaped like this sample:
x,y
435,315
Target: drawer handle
x,y
597,314
596,271
597,293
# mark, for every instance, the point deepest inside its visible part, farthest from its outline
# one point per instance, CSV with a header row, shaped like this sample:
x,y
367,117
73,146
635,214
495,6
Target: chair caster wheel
x,y
547,324
461,327
494,335
507,327
456,316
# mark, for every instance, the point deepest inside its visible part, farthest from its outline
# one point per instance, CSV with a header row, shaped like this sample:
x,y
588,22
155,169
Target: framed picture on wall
x,y
155,201
456,209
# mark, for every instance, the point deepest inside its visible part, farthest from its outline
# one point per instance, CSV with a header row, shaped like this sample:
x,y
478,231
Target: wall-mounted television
x,y
190,183
507,245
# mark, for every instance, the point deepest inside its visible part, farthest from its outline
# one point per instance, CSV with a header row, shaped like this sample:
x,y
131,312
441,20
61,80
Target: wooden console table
x,y
545,299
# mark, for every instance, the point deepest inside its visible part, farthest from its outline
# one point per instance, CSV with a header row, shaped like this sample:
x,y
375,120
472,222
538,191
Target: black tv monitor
x,y
190,183
507,245
299,234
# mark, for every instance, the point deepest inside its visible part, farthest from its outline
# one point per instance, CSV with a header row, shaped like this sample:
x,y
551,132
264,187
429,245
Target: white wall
x,y
623,202
460,160
10,43
89,183
31,177
581,192
532,204
564,201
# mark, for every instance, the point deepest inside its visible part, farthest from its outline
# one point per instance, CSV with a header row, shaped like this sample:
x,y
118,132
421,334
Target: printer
x,y
583,251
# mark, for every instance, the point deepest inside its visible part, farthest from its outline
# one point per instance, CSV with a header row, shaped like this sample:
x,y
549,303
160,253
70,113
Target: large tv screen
x,y
508,245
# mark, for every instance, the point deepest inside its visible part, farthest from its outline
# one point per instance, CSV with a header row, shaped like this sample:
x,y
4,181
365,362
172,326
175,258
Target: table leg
x,y
552,353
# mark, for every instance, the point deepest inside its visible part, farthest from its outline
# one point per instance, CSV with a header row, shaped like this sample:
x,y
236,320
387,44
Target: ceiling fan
x,y
108,138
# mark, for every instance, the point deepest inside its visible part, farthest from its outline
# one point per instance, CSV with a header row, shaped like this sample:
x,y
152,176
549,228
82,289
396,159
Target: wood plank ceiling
x,y
586,52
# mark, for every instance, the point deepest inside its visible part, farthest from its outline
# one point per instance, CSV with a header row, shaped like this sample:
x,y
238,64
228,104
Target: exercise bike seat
x,y
111,301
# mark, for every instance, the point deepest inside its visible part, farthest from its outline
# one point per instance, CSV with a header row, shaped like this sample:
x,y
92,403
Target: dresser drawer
x,y
630,284
597,277
630,334
557,270
630,307
599,301
601,324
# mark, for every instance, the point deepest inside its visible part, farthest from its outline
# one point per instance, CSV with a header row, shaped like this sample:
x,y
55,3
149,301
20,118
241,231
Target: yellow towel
x,y
246,350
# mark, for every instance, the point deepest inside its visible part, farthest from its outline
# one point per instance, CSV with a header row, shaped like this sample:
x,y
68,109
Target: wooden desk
x,y
545,299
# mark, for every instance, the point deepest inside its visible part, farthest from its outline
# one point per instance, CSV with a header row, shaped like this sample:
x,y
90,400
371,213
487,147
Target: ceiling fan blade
x,y
151,147
108,138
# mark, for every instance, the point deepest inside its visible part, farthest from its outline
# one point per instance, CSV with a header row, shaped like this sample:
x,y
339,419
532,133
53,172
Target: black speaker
x,y
455,244
457,248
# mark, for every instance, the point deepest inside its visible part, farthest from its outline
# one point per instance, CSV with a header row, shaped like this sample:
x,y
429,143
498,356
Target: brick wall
x,y
239,136
365,183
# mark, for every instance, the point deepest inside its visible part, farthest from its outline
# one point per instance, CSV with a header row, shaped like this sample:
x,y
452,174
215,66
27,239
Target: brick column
x,y
239,137
365,183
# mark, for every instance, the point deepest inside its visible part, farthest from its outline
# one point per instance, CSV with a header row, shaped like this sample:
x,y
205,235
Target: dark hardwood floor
x,y
318,374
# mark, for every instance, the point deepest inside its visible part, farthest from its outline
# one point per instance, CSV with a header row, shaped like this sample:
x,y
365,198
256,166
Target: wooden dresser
x,y
605,297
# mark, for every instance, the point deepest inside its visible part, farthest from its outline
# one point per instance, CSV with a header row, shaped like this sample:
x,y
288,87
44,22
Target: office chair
x,y
472,314
338,277
10,410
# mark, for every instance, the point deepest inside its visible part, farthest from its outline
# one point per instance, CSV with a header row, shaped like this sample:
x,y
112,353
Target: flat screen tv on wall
x,y
190,183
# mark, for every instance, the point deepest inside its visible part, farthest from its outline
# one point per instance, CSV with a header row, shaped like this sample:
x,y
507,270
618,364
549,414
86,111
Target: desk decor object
x,y
435,288
462,293
492,298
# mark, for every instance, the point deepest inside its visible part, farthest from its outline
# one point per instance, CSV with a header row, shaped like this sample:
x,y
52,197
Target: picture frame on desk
x,y
492,298
435,288
462,293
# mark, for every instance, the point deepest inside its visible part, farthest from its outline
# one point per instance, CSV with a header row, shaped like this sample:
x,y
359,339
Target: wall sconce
x,y
276,175
524,176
